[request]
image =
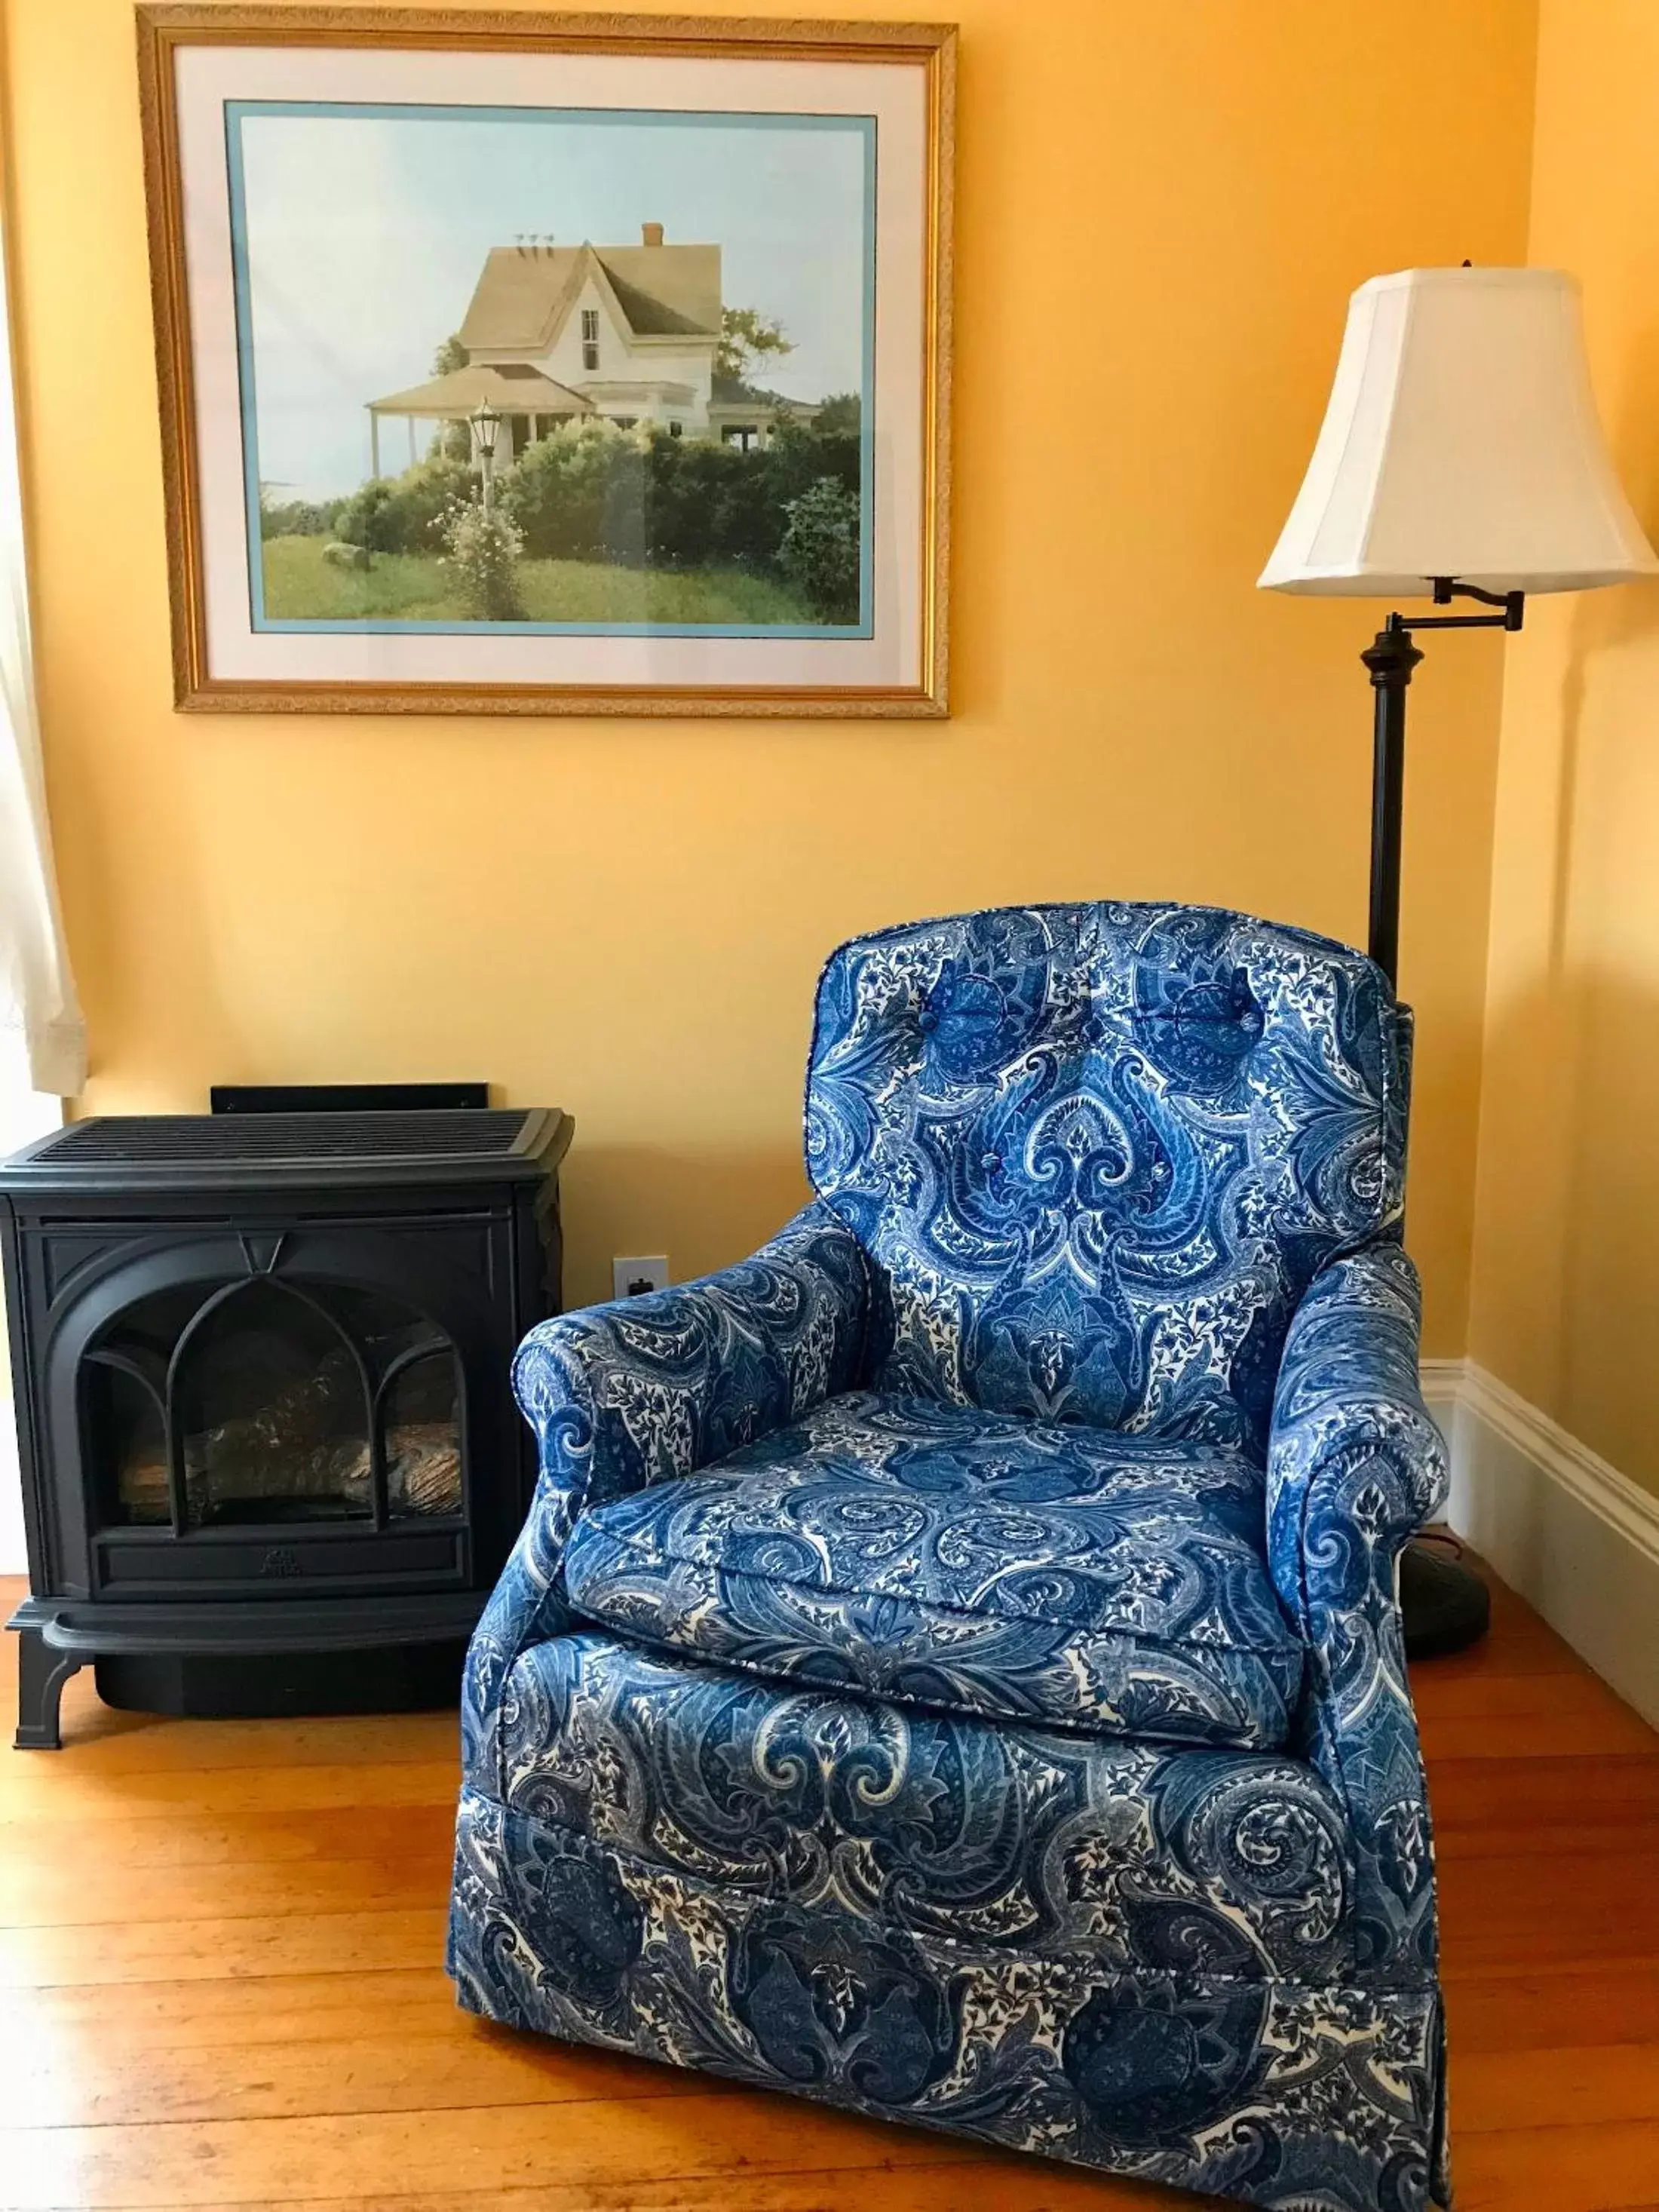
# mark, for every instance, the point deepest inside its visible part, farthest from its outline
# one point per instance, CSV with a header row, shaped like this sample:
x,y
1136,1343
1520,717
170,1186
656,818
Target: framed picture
x,y
552,364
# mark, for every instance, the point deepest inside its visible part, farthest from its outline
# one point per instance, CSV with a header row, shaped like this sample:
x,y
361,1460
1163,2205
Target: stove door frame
x,y
446,1263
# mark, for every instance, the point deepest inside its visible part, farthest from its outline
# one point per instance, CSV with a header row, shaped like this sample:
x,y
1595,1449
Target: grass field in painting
x,y
301,585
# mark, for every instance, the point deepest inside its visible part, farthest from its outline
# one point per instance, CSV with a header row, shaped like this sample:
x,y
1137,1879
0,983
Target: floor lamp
x,y
1460,459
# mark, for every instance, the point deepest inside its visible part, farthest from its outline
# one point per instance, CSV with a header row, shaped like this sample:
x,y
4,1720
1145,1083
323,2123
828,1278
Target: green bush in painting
x,y
840,415
578,494
707,504
802,454
422,498
592,490
298,518
483,551
820,547
405,513
368,520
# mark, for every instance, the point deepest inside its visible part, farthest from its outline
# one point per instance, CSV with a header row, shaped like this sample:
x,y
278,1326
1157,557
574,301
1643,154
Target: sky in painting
x,y
365,236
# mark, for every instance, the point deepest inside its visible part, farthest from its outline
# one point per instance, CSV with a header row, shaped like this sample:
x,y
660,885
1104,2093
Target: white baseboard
x,y
1562,1526
1442,1381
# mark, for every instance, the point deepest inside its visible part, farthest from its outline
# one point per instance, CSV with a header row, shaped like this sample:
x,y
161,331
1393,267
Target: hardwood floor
x,y
220,1985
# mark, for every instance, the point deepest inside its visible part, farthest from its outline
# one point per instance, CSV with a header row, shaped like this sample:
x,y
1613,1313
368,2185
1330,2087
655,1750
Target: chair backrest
x,y
1098,1151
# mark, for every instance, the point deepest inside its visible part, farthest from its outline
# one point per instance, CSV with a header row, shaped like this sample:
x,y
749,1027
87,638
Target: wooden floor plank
x,y
267,2077
1553,1843
1524,1737
1556,2088
172,1797
221,1986
486,2149
191,1950
1594,2168
36,1893
1547,1655
244,1840
1481,1694
1519,1912
1488,1808
943,2183
1568,2010
400,2003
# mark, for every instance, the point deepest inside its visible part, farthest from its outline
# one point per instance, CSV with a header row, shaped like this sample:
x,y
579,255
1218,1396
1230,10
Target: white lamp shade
x,y
1460,440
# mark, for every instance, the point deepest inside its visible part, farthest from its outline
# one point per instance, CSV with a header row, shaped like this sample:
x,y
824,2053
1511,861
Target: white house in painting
x,y
628,332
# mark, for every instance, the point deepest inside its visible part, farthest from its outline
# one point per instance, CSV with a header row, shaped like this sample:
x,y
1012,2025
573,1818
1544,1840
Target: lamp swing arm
x,y
1512,606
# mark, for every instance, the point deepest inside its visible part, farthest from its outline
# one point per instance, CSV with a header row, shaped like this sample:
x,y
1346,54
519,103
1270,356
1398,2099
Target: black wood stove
x,y
271,1459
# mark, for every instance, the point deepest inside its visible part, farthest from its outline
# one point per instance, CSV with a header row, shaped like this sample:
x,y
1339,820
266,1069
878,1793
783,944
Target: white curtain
x,y
43,1039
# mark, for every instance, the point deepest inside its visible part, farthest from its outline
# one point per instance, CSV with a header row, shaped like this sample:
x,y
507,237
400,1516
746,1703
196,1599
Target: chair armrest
x,y
1355,1465
649,1388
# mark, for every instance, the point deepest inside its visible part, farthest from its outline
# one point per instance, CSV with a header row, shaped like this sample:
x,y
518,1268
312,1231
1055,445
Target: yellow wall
x,y
1566,1295
628,919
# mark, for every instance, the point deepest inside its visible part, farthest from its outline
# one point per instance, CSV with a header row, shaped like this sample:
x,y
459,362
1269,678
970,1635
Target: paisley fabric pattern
x,y
1099,1335
1355,1467
1173,1861
974,1561
1306,2096
652,1388
1097,1153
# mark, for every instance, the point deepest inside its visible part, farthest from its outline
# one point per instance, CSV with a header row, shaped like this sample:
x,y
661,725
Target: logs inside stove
x,y
270,1461
278,1398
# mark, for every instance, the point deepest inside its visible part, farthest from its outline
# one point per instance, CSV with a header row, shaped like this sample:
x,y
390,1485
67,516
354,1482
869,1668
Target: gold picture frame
x,y
382,664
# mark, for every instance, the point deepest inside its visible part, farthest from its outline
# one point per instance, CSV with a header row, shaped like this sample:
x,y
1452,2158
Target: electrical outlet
x,y
630,1278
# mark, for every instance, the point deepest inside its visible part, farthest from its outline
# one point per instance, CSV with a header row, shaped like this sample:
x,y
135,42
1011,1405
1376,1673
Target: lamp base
x,y
1445,1605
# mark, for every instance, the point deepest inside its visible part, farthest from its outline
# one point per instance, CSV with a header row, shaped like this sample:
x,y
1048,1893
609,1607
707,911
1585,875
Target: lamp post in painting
x,y
486,429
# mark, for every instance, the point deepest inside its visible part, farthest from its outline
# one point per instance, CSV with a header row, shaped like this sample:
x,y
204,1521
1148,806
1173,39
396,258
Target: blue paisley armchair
x,y
951,1666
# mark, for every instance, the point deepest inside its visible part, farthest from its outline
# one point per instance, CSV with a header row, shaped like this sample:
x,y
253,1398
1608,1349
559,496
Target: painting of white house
x,y
554,371
529,364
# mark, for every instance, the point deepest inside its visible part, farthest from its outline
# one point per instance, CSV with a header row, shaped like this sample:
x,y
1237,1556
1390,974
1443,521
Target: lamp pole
x,y
1390,658
1446,1606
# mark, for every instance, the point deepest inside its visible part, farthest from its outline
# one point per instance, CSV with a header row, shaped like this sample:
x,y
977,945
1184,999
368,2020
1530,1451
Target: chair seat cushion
x,y
1135,1856
969,1561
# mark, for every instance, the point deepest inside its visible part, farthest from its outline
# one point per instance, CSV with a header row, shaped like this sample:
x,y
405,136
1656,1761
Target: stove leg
x,y
42,1672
